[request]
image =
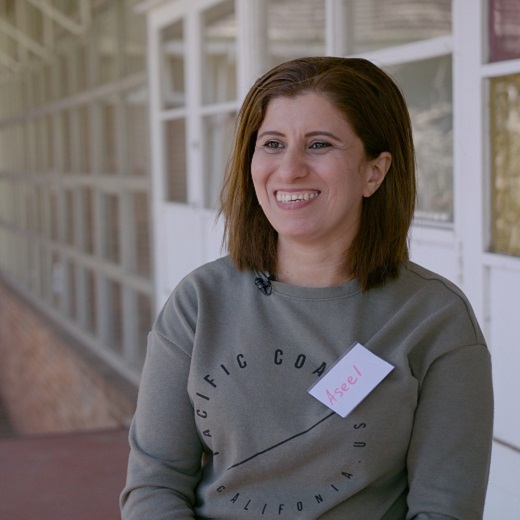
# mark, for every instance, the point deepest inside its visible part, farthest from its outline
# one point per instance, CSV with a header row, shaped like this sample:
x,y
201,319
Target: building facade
x,y
116,120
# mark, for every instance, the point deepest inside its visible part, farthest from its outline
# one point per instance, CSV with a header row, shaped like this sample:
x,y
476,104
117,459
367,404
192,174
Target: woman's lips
x,y
295,196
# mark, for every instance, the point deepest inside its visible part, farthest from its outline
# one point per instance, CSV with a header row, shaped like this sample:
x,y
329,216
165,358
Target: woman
x,y
316,295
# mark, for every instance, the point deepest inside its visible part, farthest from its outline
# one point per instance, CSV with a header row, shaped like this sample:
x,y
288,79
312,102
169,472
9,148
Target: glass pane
x,y
218,136
108,137
82,141
38,209
69,217
144,315
90,304
47,83
175,146
427,87
504,21
142,234
136,125
49,132
111,229
54,213
219,54
105,41
371,24
172,77
114,322
79,60
505,175
66,142
87,220
64,285
30,207
134,39
37,142
296,28
63,76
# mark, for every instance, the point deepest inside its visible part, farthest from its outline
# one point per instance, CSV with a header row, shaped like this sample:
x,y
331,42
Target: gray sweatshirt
x,y
225,427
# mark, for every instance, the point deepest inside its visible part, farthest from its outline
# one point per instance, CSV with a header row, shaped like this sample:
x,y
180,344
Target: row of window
x,y
110,45
75,230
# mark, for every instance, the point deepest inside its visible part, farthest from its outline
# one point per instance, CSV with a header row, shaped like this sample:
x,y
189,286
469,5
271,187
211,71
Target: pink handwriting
x,y
340,391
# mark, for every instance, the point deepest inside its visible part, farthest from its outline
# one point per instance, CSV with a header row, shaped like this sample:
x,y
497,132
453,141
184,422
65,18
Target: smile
x,y
295,197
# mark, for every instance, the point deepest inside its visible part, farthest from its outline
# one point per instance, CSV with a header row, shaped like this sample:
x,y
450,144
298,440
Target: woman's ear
x,y
376,172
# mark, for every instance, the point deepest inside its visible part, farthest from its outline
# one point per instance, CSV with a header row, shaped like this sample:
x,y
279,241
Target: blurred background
x,y
116,119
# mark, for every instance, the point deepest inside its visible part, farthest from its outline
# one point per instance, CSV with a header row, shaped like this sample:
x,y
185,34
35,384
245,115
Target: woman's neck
x,y
311,267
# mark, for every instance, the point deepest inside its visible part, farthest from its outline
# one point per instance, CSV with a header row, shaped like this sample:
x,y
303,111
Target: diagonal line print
x,y
281,442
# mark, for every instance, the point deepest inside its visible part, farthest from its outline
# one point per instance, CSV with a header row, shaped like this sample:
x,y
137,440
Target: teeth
x,y
290,197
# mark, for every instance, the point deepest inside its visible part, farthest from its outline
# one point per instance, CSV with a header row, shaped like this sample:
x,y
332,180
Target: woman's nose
x,y
293,164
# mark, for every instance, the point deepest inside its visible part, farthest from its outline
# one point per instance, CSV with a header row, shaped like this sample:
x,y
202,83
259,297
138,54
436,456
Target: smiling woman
x,y
310,174
315,372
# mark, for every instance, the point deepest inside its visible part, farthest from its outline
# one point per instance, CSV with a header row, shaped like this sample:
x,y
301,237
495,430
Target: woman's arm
x,y
449,454
165,456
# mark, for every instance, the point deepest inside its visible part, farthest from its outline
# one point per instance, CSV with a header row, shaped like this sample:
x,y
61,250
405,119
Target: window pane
x,y
175,146
504,32
374,25
62,75
39,133
105,41
87,220
427,87
114,323
90,303
69,217
296,28
54,210
108,136
49,131
82,137
218,134
505,174
219,54
134,39
172,70
142,234
111,229
64,286
136,127
65,142
145,317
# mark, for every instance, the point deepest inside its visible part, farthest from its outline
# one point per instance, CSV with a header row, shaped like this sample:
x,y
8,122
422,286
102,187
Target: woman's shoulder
x,y
431,294
217,275
203,288
209,282
419,278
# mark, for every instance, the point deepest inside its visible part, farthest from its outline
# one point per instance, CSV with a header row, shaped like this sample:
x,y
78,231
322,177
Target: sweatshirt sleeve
x,y
165,450
449,454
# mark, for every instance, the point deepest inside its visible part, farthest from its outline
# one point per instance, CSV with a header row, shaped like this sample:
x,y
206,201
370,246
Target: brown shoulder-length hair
x,y
374,106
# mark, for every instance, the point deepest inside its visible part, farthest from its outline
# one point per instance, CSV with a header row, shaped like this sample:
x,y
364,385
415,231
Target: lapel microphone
x,y
264,283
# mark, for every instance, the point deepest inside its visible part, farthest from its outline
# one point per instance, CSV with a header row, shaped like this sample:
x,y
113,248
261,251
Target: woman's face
x,y
310,172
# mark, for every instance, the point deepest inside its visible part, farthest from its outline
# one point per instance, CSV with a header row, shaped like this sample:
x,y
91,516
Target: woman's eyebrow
x,y
271,132
322,132
308,134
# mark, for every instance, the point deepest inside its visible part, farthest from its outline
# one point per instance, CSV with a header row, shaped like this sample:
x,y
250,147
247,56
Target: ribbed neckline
x,y
317,293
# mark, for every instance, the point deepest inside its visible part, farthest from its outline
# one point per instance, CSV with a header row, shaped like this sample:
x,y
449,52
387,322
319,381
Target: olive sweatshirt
x,y
225,427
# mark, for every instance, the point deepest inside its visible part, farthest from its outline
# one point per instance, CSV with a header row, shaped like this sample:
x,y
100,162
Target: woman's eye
x,y
272,145
318,145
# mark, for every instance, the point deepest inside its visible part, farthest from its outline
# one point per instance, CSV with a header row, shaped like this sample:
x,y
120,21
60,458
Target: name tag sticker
x,y
350,380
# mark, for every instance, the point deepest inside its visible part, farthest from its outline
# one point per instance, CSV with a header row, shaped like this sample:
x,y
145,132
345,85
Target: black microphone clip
x,y
264,283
